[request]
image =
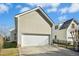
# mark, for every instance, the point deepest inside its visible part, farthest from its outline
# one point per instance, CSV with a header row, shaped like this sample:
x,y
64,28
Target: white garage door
x,y
34,40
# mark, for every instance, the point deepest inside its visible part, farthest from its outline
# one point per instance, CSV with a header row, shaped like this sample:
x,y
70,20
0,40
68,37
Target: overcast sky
x,y
56,11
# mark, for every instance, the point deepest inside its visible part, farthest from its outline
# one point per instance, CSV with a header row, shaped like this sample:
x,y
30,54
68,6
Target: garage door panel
x,y
34,40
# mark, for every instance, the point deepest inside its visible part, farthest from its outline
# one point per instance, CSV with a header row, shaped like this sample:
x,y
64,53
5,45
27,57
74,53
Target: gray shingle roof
x,y
67,23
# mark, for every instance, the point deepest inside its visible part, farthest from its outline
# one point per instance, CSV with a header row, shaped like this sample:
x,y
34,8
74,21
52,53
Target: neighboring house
x,y
12,35
34,28
66,30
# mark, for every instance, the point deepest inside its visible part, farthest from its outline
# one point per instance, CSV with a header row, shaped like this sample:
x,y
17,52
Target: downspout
x,y
18,45
66,37
51,36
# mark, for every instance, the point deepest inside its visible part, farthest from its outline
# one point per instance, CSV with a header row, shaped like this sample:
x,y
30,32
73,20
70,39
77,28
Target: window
x,y
55,37
73,26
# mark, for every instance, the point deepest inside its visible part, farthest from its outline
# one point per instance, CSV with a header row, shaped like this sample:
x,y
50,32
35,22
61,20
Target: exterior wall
x,y
32,23
61,34
12,36
69,30
65,33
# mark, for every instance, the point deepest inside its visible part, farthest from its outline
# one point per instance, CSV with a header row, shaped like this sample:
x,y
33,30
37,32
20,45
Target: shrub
x,y
10,44
69,43
64,42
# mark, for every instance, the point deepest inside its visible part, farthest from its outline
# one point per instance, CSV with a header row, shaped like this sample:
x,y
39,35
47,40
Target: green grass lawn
x,y
9,49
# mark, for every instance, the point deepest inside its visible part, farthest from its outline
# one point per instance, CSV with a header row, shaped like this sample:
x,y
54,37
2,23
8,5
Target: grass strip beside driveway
x,y
9,52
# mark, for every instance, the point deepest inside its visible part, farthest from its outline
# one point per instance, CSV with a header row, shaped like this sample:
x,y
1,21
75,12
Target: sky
x,y
58,12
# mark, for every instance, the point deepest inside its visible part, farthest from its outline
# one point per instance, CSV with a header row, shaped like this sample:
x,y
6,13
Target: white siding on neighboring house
x,y
69,37
61,34
64,33
12,35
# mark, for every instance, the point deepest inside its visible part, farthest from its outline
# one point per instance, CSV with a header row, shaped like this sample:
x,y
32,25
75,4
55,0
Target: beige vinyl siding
x,y
32,23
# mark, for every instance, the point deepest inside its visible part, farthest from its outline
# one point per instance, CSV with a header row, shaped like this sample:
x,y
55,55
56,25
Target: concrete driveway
x,y
47,51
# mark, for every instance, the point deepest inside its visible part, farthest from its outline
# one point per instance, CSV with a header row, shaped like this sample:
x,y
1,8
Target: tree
x,y
1,43
2,36
74,35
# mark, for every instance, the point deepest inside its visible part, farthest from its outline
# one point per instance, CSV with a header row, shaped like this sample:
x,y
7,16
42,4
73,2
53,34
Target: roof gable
x,y
66,24
40,12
